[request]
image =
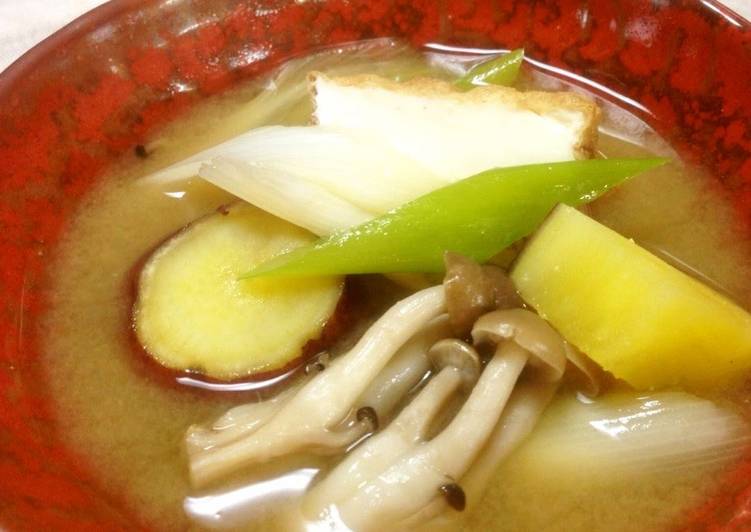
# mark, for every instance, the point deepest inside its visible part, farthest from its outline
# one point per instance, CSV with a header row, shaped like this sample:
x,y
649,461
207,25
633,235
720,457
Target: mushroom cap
x,y
530,332
472,290
451,352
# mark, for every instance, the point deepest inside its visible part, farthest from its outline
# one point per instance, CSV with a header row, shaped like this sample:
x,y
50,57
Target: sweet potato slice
x,y
194,313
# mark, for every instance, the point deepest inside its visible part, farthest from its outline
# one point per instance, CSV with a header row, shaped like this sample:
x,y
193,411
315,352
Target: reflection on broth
x,y
129,424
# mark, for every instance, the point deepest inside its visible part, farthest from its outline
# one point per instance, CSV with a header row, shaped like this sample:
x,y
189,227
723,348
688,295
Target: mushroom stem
x,y
458,364
308,420
523,411
414,479
485,404
379,451
588,374
235,423
405,370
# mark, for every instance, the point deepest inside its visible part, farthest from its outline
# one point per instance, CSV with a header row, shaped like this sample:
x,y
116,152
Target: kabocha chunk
x,y
194,313
638,317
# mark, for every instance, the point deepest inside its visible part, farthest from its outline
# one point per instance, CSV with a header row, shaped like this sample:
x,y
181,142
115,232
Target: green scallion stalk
x,y
501,70
477,217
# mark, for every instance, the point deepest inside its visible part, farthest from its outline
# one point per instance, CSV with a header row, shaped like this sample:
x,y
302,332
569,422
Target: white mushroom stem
x,y
244,419
414,480
381,450
405,370
309,420
457,364
406,481
235,423
523,411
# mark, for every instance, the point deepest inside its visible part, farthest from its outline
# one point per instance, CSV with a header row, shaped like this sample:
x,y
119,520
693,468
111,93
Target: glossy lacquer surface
x,y
96,90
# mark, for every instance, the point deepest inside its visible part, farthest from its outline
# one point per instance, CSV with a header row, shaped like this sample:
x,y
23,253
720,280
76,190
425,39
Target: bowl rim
x,y
111,9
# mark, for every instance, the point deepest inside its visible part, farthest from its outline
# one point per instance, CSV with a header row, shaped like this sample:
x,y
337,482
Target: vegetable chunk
x,y
627,435
641,319
193,313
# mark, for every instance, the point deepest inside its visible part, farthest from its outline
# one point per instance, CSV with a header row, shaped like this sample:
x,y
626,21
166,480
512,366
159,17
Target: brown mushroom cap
x,y
472,290
457,354
530,332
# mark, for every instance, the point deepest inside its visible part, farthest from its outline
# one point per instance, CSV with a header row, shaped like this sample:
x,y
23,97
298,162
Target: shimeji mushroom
x,y
457,365
524,408
321,416
426,471
405,370
244,419
473,289
235,423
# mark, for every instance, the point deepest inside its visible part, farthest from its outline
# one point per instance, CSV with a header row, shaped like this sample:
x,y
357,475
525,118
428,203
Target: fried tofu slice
x,y
454,133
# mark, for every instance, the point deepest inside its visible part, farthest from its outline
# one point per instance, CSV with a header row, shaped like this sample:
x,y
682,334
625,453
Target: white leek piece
x,y
358,169
298,201
315,177
626,434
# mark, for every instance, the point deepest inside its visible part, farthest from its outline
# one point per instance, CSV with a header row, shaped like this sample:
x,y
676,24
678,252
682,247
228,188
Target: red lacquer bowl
x,y
95,90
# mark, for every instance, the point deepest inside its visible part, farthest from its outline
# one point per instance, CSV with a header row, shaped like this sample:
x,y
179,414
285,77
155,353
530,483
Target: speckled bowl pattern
x,y
109,81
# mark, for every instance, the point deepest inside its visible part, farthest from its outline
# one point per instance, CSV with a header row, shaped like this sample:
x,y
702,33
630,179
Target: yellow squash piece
x,y
638,317
194,313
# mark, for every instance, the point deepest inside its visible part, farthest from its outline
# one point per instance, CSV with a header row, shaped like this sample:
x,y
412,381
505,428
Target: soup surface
x,y
128,419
